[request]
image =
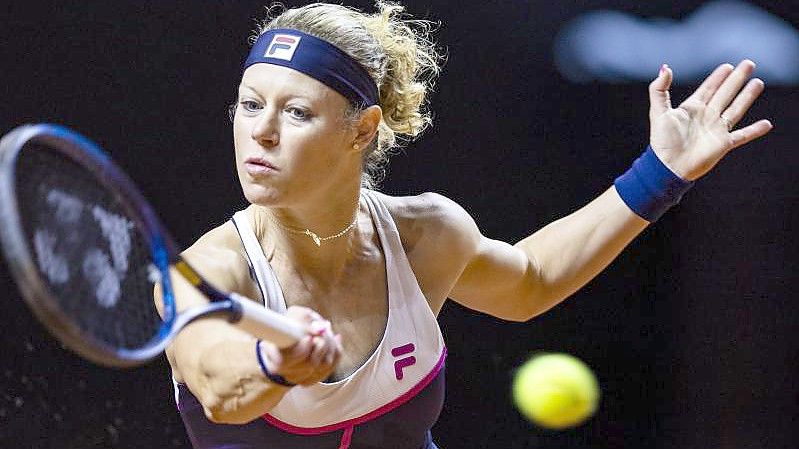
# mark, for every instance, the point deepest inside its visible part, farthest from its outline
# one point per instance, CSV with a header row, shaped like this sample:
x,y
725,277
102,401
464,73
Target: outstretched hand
x,y
693,137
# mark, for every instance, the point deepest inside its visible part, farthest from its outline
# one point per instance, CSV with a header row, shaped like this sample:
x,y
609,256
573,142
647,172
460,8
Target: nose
x,y
265,128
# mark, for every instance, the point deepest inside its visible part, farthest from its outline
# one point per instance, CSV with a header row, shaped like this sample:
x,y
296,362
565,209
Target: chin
x,y
260,195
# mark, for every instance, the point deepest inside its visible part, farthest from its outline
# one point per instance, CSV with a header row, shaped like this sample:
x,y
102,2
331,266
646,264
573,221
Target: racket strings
x,y
87,248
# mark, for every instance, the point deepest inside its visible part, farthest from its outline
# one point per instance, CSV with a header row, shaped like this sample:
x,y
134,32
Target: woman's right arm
x,y
218,361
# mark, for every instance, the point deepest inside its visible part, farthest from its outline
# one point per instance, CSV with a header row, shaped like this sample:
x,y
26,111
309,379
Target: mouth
x,y
258,166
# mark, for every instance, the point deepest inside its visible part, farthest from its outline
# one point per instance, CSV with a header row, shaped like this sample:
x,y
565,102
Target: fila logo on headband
x,y
282,46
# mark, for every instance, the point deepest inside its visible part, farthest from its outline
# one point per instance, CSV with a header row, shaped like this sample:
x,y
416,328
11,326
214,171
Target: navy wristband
x,y
275,378
649,188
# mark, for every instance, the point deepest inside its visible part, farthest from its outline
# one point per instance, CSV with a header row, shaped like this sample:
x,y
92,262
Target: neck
x,y
290,232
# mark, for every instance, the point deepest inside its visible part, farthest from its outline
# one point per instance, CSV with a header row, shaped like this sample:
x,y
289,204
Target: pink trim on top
x,y
346,439
364,418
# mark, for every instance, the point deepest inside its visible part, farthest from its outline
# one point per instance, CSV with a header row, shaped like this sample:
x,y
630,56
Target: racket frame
x,y
163,250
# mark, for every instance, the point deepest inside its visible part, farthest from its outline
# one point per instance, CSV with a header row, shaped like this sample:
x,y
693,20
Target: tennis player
x,y
325,93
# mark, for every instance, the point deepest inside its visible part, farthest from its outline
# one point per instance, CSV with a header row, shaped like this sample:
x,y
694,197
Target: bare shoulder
x,y
431,225
431,215
218,256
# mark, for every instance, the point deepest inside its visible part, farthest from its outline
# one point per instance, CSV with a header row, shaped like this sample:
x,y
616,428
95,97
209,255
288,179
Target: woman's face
x,y
291,139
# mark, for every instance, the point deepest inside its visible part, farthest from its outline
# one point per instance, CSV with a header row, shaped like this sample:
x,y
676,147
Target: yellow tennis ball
x,y
555,390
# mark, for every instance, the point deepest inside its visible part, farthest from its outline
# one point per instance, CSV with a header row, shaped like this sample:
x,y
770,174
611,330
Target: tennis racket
x,y
87,250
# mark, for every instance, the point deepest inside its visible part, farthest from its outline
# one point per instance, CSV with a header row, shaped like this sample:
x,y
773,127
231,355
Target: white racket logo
x,y
103,271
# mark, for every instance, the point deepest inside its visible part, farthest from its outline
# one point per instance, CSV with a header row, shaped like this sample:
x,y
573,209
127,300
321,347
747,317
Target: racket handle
x,y
267,324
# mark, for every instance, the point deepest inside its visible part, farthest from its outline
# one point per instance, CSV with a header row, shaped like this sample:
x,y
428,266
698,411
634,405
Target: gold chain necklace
x,y
315,237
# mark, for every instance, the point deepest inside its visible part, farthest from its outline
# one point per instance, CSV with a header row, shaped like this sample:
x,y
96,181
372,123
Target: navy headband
x,y
318,59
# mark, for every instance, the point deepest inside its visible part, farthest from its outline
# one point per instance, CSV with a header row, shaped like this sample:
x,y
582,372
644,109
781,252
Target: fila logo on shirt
x,y
404,362
282,46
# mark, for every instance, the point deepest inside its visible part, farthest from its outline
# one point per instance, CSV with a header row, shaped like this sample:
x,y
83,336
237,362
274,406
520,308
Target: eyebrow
x,y
242,85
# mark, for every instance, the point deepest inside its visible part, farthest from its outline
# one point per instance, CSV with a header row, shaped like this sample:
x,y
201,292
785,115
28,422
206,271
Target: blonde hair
x,y
396,51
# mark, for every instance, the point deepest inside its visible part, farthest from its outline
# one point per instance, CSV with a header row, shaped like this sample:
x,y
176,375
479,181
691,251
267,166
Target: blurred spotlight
x,y
613,46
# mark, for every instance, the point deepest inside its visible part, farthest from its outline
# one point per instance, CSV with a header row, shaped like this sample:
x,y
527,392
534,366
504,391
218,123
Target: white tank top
x,y
409,356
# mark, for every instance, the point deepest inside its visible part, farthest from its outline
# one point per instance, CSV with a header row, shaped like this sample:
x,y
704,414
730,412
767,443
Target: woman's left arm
x,y
524,280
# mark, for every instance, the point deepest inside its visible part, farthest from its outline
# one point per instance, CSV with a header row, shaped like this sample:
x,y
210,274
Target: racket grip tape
x,y
266,324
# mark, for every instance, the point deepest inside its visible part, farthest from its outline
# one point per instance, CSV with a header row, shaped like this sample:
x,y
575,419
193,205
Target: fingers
x,y
319,356
290,362
320,360
755,130
724,98
303,314
325,355
735,112
710,85
314,357
659,100
731,87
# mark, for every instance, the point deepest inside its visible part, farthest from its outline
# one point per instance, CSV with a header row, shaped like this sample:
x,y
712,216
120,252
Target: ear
x,y
366,127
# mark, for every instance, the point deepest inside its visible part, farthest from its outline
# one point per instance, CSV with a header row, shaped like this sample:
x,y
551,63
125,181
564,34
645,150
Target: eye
x,y
298,113
250,105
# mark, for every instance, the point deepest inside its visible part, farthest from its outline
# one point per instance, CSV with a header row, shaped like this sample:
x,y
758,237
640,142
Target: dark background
x,y
691,331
